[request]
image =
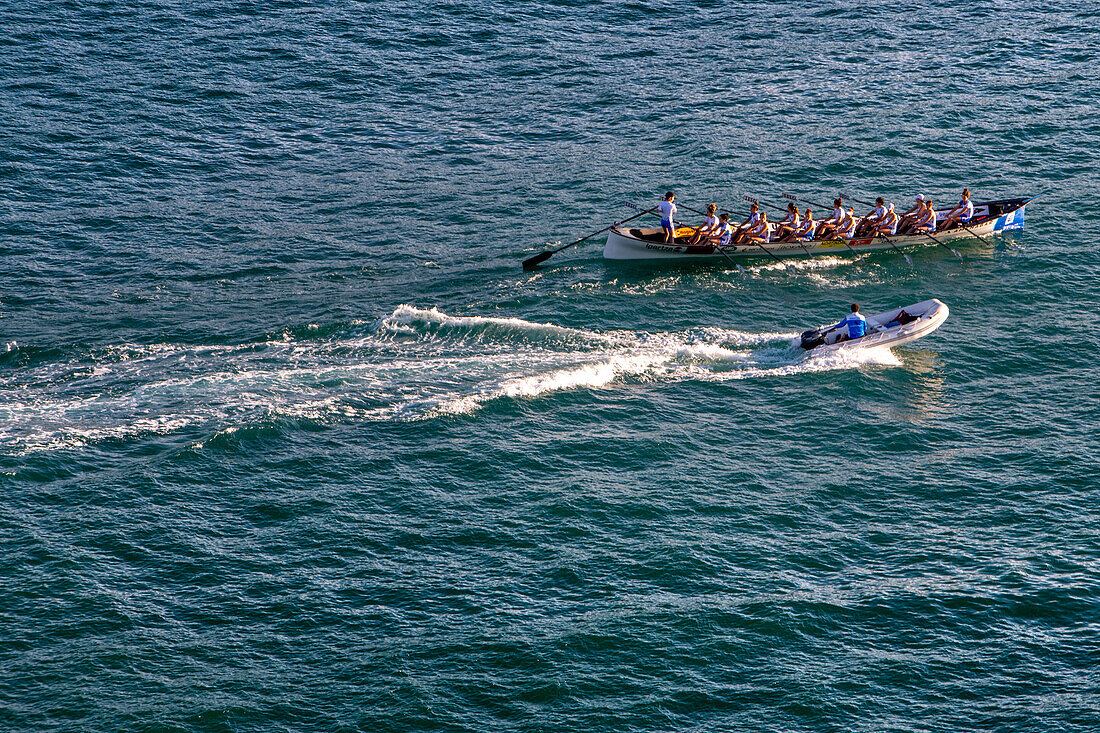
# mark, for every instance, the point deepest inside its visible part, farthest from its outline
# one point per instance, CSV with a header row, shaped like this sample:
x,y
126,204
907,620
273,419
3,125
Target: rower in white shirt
x,y
761,233
709,228
790,225
889,225
847,228
872,221
725,232
742,231
911,217
809,226
961,214
927,223
829,226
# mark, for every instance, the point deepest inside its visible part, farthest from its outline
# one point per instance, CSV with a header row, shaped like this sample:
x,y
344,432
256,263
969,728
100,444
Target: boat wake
x,y
800,265
413,364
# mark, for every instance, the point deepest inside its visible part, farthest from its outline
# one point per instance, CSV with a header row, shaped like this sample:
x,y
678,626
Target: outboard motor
x,y
813,338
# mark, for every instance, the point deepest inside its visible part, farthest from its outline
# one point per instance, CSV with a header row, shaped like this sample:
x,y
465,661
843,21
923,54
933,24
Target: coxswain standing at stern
x,y
668,211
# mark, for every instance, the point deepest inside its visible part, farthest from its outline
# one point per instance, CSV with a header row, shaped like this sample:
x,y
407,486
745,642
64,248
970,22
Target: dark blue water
x,y
289,441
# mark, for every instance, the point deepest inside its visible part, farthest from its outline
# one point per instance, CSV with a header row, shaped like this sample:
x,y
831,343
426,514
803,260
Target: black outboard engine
x,y
813,338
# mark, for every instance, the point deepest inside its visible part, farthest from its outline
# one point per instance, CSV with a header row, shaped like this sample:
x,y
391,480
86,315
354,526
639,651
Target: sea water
x,y
289,441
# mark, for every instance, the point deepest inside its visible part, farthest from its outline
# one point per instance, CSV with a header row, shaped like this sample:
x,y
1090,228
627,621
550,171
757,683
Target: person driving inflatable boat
x,y
854,322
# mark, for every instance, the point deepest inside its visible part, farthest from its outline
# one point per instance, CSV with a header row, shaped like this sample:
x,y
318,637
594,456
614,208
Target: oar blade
x,y
532,262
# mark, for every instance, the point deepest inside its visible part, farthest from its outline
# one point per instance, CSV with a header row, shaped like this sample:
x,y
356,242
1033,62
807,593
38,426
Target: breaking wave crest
x,y
412,364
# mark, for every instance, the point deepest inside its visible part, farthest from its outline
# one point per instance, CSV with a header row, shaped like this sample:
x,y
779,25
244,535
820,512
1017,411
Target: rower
x,y
872,221
913,215
789,226
724,231
855,324
741,233
829,226
847,227
961,214
927,223
709,228
761,233
668,210
889,224
806,231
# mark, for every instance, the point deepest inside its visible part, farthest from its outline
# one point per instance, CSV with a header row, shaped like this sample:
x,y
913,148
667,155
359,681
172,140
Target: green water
x,y
289,441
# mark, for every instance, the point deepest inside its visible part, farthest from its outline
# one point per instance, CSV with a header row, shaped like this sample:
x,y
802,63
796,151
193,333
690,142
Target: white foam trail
x,y
128,391
850,359
590,375
405,316
69,437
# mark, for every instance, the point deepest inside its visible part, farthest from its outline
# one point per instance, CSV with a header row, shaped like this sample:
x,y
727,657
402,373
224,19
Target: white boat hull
x,y
646,244
930,314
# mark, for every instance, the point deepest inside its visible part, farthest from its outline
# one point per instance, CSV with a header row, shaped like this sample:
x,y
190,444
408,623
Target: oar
x,y
952,251
877,234
821,207
720,250
532,262
761,244
964,226
772,206
974,233
949,249
811,203
841,240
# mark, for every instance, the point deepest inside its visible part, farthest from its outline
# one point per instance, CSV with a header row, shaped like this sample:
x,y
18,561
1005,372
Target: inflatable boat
x,y
891,328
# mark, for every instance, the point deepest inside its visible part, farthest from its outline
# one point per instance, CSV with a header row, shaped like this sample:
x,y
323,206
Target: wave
x,y
413,364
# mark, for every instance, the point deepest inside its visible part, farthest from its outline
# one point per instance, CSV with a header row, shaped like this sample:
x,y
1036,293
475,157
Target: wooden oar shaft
x,y
531,262
605,229
804,201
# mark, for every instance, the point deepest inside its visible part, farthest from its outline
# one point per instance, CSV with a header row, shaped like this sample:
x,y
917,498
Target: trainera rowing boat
x,y
891,328
990,217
